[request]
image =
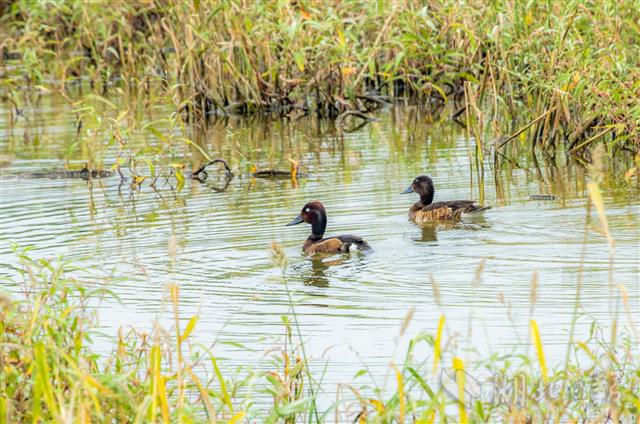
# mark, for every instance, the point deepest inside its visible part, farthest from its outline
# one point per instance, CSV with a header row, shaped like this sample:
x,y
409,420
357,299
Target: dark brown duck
x,y
314,213
424,210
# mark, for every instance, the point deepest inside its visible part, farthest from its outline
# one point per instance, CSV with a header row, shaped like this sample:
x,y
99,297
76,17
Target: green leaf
x,y
223,387
158,134
421,382
295,407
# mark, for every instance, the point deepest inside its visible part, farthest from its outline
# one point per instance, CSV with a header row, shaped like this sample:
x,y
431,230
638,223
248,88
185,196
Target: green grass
x,y
547,76
50,371
553,78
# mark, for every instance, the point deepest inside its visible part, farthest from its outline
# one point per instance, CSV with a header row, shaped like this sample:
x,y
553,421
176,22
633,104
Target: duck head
x,y
423,185
313,213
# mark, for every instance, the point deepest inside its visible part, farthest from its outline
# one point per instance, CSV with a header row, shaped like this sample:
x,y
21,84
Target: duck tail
x,y
479,211
351,243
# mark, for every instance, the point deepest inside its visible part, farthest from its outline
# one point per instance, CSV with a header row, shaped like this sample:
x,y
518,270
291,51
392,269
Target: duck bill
x,y
408,190
296,221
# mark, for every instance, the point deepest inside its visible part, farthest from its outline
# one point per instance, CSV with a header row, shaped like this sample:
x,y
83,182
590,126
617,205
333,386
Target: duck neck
x,y
426,198
318,226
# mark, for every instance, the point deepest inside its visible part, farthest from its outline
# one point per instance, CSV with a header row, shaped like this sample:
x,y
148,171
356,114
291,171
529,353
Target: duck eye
x,y
306,210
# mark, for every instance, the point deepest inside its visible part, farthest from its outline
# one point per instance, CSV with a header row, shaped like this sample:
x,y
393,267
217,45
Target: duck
x,y
425,211
315,214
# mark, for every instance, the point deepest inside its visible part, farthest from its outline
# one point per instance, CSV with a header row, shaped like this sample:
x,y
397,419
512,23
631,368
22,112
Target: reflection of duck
x,y
293,173
425,210
314,213
317,277
428,233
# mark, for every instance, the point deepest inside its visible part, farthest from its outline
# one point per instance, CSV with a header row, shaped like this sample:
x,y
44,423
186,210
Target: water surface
x,y
350,307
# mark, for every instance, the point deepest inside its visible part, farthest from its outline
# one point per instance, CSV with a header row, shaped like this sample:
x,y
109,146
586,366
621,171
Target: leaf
x,y
44,379
204,395
359,374
188,141
152,168
223,387
157,133
138,180
298,406
421,382
298,57
401,395
378,405
458,367
180,179
537,341
190,326
436,349
236,418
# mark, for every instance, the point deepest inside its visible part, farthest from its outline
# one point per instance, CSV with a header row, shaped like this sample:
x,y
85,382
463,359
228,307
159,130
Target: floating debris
x,y
542,197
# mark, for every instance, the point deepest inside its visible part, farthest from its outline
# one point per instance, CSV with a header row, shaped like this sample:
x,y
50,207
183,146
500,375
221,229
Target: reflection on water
x,y
223,229
428,233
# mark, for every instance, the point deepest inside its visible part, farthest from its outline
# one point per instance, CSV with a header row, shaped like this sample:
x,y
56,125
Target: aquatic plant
x,y
50,370
549,76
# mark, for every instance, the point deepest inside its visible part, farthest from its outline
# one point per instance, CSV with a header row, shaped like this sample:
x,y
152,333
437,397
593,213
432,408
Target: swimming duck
x,y
425,210
314,213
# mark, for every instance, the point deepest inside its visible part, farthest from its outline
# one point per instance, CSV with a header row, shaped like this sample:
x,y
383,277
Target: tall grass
x,y
51,372
553,76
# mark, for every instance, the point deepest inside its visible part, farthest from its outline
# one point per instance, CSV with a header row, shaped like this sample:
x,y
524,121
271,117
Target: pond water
x,y
350,308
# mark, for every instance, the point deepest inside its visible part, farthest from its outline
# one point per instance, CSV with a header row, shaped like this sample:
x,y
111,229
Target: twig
x,y
200,174
595,137
523,129
340,119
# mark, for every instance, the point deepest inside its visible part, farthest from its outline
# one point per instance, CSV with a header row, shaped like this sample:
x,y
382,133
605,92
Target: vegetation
x,y
549,78
51,373
542,75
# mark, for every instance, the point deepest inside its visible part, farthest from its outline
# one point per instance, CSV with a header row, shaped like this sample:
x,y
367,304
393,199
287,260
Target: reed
x,y
50,371
556,77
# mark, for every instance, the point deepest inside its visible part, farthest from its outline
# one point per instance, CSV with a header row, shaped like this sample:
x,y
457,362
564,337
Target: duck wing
x,y
446,211
328,245
349,241
336,244
466,206
439,211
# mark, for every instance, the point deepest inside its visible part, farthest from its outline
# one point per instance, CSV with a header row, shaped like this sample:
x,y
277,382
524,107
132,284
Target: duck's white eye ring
x,y
306,210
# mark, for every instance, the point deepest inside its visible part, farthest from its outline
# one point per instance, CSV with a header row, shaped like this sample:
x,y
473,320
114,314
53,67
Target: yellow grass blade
x,y
204,395
535,334
458,367
154,371
598,202
236,418
378,405
162,395
190,326
436,348
401,396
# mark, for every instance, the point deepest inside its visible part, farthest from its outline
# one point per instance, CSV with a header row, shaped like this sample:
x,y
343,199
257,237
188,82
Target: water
x,y
350,308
